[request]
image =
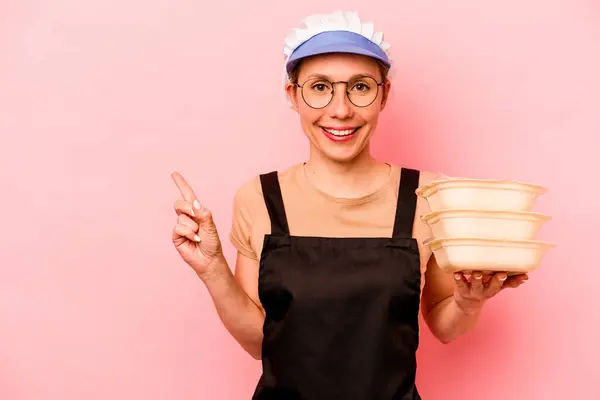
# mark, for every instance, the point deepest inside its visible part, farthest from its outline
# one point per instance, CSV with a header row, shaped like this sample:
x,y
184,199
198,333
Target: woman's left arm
x,y
451,304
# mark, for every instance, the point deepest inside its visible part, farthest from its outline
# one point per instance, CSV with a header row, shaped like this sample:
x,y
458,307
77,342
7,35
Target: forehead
x,y
338,66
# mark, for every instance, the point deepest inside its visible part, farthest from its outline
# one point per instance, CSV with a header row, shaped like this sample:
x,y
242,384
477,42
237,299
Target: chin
x,y
341,156
344,151
341,153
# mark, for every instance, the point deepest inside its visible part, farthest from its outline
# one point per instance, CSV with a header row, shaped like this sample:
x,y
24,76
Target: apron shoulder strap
x,y
274,202
407,203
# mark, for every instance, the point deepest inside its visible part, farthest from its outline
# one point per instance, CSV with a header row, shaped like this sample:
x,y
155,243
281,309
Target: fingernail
x,y
197,238
197,205
502,278
477,276
457,277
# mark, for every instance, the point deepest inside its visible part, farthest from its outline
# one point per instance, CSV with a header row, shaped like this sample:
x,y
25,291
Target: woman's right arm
x,y
236,299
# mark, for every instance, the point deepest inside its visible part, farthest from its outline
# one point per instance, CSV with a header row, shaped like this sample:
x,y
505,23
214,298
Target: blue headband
x,y
337,42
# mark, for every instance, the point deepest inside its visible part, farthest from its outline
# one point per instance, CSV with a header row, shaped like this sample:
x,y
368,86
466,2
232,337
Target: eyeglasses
x,y
361,91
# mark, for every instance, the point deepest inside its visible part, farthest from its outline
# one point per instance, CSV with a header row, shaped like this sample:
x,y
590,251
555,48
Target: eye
x,y
320,87
363,85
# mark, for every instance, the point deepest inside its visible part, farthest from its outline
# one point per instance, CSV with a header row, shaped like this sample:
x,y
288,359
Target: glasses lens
x,y
317,92
362,91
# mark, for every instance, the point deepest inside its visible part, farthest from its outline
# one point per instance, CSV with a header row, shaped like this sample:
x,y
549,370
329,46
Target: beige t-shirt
x,y
311,212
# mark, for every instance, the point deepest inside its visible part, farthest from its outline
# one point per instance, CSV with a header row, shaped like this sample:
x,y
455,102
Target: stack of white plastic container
x,y
484,225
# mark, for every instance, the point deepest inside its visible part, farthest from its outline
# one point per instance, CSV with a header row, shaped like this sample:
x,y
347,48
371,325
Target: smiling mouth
x,y
341,132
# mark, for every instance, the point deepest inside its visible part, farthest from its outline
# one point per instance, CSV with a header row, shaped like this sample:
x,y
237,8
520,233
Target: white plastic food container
x,y
515,225
480,194
487,255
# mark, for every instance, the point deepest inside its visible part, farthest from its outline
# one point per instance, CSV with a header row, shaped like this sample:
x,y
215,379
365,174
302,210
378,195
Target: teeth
x,y
340,133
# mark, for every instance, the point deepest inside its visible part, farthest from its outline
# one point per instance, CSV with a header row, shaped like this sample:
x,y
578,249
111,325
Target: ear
x,y
386,87
292,93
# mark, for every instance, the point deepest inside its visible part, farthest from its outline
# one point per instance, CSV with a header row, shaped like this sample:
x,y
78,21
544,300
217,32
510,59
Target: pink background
x,y
101,99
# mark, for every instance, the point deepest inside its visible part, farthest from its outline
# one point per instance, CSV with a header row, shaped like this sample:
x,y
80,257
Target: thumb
x,y
204,217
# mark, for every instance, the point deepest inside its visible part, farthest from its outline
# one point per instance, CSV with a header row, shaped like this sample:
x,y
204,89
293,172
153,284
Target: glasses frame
x,y
378,84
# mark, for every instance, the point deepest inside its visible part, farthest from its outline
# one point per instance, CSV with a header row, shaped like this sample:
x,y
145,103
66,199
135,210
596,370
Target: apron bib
x,y
341,313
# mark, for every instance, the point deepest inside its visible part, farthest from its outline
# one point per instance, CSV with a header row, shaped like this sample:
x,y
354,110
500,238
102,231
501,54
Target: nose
x,y
340,106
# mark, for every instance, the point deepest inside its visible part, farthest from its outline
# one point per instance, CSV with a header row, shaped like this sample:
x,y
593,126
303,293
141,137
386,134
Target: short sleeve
x,y
241,226
422,229
423,207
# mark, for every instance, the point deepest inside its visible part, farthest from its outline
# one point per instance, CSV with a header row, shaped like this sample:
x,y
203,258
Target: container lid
x,y
499,214
437,243
503,184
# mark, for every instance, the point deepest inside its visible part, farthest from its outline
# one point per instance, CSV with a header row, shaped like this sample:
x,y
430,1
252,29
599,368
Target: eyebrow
x,y
322,76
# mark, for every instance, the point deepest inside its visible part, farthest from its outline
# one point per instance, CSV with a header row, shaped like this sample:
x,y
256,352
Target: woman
x,y
331,271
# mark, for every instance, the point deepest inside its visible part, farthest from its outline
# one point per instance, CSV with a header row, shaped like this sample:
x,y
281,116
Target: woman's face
x,y
340,131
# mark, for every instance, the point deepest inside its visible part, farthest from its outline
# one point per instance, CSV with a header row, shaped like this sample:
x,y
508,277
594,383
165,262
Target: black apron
x,y
341,313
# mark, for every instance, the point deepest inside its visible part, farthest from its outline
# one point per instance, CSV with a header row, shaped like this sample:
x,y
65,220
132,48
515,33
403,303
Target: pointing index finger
x,y
186,190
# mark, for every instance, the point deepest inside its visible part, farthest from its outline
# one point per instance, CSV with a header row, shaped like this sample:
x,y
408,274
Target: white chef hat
x,y
338,32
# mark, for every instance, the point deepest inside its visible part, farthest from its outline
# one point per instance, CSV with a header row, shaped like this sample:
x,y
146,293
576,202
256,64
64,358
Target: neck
x,y
355,178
